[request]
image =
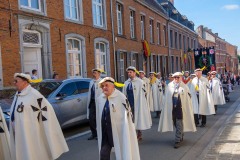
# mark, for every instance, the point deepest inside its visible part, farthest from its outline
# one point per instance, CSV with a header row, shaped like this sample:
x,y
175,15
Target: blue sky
x,y
222,16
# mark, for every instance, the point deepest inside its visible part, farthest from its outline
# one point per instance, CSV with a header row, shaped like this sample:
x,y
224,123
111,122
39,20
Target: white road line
x,y
78,135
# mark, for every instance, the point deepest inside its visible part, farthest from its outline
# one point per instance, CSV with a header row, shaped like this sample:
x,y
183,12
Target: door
x,y
32,60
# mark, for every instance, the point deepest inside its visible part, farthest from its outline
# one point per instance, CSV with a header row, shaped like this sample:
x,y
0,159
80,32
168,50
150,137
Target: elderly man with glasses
x,y
35,133
177,110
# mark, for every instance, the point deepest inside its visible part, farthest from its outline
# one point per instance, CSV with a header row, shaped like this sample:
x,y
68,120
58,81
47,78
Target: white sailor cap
x,y
153,73
177,74
131,68
142,72
98,70
24,76
193,75
106,79
198,69
214,72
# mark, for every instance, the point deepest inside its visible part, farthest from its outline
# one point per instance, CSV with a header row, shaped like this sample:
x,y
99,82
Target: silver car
x,y
68,98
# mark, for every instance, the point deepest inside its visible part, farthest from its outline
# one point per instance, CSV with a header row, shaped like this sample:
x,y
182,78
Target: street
x,y
157,145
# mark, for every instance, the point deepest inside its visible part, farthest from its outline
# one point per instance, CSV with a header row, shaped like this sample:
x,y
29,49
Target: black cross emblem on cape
x,y
1,129
35,109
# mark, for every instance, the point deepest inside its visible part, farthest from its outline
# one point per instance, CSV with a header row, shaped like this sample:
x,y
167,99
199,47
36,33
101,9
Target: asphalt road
x,y
155,145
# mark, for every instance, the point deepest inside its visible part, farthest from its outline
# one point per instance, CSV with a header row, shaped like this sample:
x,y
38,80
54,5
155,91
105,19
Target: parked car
x,y
68,98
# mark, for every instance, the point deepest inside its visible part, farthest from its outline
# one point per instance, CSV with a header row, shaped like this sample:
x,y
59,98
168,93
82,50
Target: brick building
x,y
72,37
225,53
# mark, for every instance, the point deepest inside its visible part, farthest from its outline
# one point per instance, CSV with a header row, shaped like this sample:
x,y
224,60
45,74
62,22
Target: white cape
x,y
142,116
35,133
98,91
148,90
217,92
157,96
123,129
166,122
5,153
206,106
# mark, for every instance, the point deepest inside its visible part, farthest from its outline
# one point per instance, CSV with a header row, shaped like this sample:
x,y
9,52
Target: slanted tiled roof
x,y
154,4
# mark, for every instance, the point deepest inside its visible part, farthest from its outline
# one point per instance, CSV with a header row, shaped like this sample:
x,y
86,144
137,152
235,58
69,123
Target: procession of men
x,y
117,118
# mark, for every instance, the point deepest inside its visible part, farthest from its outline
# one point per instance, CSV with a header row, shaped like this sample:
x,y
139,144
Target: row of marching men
x,y
119,115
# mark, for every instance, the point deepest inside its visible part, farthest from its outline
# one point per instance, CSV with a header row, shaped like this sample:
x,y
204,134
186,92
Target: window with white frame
x,y
176,40
31,4
164,35
158,33
180,41
73,9
101,56
132,24
119,19
74,55
142,27
98,13
171,38
122,67
151,30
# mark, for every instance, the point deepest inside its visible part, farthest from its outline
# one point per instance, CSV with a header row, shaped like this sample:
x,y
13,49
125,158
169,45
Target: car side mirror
x,y
60,96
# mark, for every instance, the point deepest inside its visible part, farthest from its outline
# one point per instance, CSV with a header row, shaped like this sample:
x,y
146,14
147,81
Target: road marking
x,y
78,135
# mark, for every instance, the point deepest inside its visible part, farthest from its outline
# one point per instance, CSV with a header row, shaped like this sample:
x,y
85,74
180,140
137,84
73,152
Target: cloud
x,y
231,7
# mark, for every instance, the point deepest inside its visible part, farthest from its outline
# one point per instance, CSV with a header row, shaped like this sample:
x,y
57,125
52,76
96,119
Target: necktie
x,y
13,111
106,109
130,86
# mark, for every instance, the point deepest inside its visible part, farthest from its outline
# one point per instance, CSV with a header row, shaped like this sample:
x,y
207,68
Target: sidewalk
x,y
226,144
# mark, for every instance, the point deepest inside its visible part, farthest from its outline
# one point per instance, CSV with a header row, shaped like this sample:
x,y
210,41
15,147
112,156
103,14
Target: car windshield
x,y
46,88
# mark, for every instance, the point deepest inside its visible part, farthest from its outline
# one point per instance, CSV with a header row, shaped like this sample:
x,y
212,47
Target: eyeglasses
x,y
177,77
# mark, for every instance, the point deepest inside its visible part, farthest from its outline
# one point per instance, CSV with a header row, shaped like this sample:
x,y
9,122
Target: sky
x,y
222,16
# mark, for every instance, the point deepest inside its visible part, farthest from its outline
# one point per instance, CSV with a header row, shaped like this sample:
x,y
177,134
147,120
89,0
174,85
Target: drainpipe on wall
x,y
113,42
169,50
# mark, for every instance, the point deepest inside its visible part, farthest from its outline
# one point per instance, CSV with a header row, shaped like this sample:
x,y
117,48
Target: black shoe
x,y
92,137
177,145
203,125
197,125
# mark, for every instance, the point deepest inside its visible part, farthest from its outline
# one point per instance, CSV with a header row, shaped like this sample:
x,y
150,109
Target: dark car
x,y
68,98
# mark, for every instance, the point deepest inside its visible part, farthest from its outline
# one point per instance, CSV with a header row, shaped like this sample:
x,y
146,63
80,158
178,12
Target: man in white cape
x,y
35,133
5,153
177,110
114,124
93,92
157,94
217,91
203,105
135,93
147,88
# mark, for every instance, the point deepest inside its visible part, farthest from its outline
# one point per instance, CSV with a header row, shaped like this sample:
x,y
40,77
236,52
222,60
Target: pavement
x,y
226,144
219,140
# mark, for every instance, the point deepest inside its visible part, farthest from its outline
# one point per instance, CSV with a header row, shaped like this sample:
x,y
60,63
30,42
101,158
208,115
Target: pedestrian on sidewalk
x,y
200,87
217,90
35,133
34,74
93,93
135,93
114,124
157,94
177,110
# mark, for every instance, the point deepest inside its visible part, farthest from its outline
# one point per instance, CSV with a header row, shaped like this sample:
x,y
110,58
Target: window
x,y
74,55
98,13
171,38
177,66
180,41
172,64
73,9
68,90
142,27
176,40
31,4
164,35
119,19
151,31
132,24
122,67
158,33
184,43
82,86
101,52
